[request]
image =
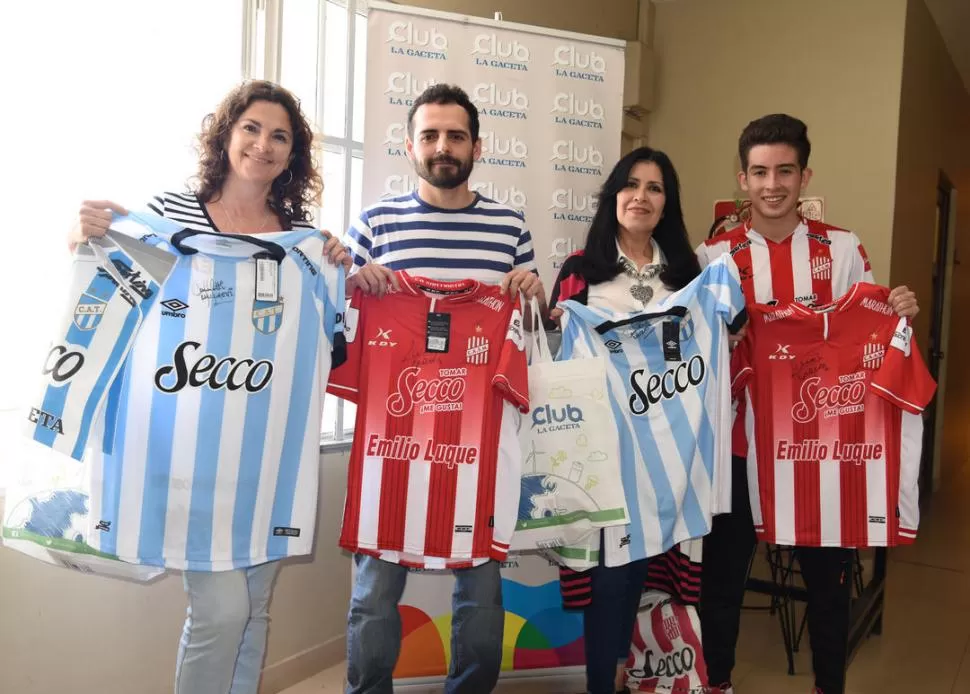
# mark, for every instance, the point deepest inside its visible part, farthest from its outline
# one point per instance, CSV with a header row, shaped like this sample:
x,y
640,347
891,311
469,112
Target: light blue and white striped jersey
x,y
211,438
114,283
483,241
669,387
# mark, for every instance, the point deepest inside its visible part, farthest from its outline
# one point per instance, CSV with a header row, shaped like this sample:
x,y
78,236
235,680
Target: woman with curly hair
x,y
256,174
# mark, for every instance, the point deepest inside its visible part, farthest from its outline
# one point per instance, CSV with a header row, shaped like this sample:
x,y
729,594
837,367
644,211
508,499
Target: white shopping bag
x,y
666,656
46,512
571,484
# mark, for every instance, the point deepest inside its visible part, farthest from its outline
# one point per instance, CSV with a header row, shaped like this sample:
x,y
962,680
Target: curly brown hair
x,y
290,198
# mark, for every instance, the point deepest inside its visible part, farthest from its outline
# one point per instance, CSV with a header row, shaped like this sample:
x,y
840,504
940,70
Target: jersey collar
x,y
754,236
448,292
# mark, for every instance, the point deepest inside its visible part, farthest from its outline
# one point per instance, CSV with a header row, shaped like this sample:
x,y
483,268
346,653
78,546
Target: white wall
x,y
62,631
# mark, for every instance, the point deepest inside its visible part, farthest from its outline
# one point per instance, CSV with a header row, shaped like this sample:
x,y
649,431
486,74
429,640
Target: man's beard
x,y
441,177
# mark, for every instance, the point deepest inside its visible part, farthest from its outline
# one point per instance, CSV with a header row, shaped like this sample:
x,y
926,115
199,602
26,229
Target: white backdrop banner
x,y
550,105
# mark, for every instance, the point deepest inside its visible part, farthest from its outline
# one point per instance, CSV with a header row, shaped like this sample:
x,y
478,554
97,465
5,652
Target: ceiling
x,y
953,19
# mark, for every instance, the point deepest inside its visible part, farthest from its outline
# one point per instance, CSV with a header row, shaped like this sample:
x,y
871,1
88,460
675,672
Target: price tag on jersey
x,y
438,332
671,333
267,279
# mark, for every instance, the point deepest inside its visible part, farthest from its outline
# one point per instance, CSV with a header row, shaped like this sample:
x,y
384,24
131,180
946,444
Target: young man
x,y
443,231
781,258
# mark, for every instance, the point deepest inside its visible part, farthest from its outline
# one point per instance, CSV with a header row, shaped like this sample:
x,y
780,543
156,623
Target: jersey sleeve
x,y
525,258
330,286
703,255
903,378
726,285
860,269
511,376
742,366
359,241
344,380
111,292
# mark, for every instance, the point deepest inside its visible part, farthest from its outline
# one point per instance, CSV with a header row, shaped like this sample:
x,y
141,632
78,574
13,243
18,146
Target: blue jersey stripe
x,y
299,408
161,432
211,405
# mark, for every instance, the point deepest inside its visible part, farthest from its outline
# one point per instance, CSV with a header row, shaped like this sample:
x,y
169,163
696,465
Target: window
x,y
322,49
106,100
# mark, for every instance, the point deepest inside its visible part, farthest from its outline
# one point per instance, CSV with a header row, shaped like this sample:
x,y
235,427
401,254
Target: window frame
x,y
262,44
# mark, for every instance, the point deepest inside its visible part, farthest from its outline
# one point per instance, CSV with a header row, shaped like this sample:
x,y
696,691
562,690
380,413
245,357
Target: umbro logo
x,y
671,344
615,346
175,308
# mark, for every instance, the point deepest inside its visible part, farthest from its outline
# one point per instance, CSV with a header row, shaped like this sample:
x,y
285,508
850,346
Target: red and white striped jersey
x,y
429,368
814,266
833,402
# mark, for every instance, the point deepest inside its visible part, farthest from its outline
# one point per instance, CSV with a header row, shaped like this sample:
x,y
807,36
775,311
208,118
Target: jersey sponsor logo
x,y
665,386
208,370
406,448
779,314
515,331
807,299
382,339
873,355
174,308
477,352
666,665
744,272
463,528
814,450
877,306
132,277
46,420
103,526
442,394
881,520
267,316
740,247
61,364
306,261
624,541
824,240
845,397
88,312
491,302
782,353
821,268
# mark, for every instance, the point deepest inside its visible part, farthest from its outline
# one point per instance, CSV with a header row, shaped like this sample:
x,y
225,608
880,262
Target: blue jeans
x,y
224,639
608,621
374,628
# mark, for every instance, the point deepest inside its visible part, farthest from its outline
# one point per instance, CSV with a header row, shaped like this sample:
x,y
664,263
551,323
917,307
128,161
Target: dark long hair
x,y
600,260
291,196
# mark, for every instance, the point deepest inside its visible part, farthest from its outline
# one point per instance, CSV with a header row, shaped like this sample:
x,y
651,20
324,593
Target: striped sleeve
x,y
524,254
359,240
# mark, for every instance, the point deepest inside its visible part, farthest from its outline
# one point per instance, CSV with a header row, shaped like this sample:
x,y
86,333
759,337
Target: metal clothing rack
x,y
865,608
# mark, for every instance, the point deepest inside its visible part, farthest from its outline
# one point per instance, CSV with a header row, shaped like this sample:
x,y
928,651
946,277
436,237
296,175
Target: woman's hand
x,y
93,220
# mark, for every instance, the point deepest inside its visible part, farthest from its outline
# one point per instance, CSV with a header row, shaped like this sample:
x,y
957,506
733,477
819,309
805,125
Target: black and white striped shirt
x,y
186,209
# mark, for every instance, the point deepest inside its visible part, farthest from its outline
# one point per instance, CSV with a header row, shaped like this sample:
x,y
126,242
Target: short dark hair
x,y
777,128
601,262
445,94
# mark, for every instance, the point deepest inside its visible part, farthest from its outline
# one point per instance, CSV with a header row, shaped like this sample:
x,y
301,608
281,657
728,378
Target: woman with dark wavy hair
x,y
637,253
256,174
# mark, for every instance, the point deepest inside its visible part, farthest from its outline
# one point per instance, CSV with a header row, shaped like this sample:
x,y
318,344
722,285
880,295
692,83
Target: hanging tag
x,y
267,279
438,332
671,335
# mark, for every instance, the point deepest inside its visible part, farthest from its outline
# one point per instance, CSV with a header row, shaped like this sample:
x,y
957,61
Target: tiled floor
x,y
925,645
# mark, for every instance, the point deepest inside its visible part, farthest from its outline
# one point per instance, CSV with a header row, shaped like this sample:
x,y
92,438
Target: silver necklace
x,y
641,290
235,226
